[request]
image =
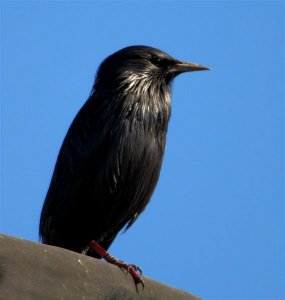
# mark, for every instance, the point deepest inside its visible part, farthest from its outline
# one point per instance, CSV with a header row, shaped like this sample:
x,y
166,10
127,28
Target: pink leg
x,y
134,270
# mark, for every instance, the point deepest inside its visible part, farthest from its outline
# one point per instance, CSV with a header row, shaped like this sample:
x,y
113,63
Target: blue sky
x,y
215,224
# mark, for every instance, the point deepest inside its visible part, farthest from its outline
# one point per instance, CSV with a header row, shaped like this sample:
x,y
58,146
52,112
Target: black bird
x,y
111,157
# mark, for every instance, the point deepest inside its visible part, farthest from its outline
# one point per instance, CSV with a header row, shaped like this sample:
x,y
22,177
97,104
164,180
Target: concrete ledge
x,y
30,271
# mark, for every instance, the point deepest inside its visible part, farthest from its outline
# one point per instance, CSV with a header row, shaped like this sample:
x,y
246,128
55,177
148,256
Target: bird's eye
x,y
155,60
159,61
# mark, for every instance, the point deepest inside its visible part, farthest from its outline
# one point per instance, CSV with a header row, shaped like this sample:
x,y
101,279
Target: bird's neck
x,y
140,97
148,101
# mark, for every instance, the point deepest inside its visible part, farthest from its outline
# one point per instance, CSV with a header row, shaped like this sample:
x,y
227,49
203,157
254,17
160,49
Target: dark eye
x,y
159,61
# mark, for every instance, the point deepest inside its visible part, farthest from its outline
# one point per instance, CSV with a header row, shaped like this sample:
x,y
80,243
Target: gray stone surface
x,y
30,271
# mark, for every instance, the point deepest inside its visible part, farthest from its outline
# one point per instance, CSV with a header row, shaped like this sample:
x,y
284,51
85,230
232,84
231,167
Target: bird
x,y
110,160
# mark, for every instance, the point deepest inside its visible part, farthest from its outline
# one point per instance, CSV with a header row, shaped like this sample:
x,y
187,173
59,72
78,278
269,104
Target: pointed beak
x,y
182,66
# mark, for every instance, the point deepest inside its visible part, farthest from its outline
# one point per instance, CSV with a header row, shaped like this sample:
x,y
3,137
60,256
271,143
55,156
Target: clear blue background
x,y
215,225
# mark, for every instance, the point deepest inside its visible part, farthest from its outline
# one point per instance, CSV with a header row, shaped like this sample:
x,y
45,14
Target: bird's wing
x,y
85,147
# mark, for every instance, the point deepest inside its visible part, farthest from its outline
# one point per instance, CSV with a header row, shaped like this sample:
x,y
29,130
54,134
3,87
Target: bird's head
x,y
139,67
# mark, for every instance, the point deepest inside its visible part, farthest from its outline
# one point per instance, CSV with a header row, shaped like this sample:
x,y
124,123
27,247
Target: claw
x,y
134,270
137,278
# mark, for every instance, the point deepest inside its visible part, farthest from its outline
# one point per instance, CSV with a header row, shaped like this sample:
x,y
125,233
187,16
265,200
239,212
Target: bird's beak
x,y
182,66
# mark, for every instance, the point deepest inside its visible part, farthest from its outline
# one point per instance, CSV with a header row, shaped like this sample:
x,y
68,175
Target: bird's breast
x,y
151,115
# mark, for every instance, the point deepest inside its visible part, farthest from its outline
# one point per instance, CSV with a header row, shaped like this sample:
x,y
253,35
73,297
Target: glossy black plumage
x,y
111,157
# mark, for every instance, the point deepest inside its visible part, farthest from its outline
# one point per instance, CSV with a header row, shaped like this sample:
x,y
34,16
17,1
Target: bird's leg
x,y
134,270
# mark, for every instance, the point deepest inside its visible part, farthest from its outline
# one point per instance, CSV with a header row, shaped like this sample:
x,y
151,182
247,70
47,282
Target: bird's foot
x,y
134,270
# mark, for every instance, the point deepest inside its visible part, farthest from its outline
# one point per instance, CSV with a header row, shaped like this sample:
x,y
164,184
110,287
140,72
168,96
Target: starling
x,y
110,160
